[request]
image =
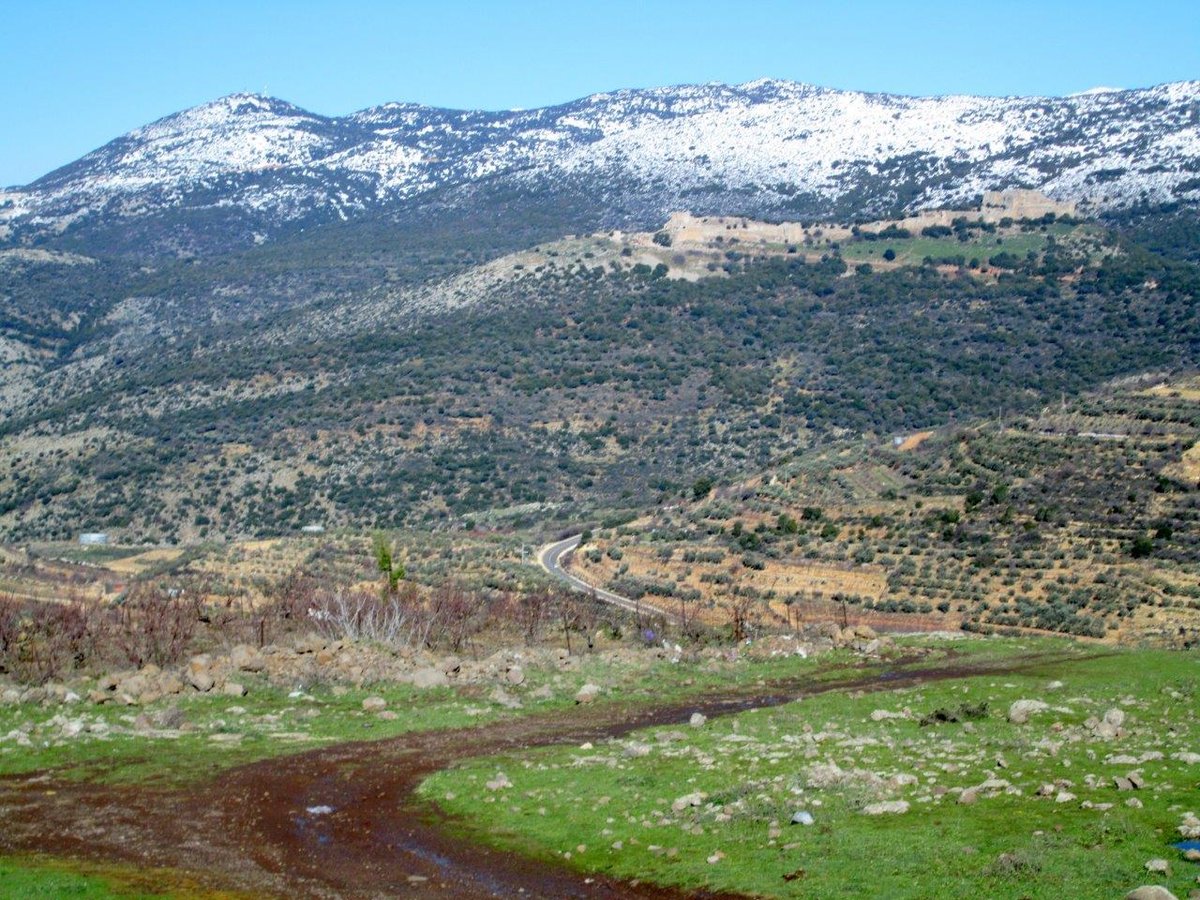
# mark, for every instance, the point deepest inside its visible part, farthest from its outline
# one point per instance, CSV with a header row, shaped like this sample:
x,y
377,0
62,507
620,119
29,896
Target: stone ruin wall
x,y
1021,204
686,228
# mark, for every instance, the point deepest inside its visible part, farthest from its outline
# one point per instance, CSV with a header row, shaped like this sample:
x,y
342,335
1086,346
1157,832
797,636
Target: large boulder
x,y
687,801
137,684
1020,710
310,643
1110,727
110,680
886,807
245,658
429,677
1189,827
169,683
1150,892
199,673
829,630
587,693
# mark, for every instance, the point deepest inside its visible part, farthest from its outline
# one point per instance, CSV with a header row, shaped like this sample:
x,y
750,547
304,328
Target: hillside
x,y
223,400
246,168
246,318
1080,517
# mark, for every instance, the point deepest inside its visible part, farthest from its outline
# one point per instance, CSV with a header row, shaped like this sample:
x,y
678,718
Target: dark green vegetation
x,y
1044,247
251,395
711,806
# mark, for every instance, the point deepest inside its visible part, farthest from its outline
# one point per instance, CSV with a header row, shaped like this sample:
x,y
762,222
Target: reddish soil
x,y
248,829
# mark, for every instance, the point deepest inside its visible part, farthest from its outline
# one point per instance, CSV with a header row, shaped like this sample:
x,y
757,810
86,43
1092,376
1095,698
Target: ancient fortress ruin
x,y
1021,204
685,228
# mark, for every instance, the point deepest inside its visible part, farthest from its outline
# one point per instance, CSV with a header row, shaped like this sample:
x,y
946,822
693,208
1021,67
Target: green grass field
x,y
616,803
913,250
616,807
198,746
193,736
24,877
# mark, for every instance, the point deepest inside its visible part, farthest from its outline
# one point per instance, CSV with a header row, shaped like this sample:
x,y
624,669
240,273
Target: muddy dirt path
x,y
251,830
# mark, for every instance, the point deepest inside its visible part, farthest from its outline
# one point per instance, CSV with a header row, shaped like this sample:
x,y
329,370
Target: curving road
x,y
554,557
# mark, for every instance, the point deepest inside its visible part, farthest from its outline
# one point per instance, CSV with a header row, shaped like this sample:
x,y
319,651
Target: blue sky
x,y
73,75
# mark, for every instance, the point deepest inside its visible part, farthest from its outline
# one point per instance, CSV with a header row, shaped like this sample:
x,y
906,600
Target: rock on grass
x,y
1150,892
1020,710
887,807
587,693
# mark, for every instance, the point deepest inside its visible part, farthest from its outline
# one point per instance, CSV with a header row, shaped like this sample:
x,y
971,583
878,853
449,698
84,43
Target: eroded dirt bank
x,y
251,829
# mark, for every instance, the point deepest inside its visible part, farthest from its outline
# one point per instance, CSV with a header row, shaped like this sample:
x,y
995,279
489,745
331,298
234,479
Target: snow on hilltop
x,y
768,147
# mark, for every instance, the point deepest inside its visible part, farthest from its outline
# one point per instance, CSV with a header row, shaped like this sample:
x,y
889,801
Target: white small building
x,y
313,529
93,538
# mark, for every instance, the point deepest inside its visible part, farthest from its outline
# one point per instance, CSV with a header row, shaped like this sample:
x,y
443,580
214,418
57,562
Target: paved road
x,y
553,557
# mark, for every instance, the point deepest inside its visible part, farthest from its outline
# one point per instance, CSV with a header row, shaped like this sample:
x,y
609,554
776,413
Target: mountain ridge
x,y
777,149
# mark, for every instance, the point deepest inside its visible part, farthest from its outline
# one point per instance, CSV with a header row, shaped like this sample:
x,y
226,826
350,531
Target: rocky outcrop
x,y
312,658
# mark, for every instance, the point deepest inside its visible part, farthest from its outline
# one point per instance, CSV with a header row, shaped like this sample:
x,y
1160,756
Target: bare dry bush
x,y
286,611
10,626
447,618
456,614
546,614
155,626
43,641
531,612
292,598
742,618
364,616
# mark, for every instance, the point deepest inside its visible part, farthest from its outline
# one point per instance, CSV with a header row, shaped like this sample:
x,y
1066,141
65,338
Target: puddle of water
x,y
489,881
308,829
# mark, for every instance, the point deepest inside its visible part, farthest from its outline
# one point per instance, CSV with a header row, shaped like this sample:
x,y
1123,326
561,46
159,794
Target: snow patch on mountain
x,y
766,146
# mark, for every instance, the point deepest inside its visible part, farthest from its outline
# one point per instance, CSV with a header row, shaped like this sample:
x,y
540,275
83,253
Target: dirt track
x,y
249,830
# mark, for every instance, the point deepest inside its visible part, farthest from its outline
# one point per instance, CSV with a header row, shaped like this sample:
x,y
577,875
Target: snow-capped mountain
x,y
768,148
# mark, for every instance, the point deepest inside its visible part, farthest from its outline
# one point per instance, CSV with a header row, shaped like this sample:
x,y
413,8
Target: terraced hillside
x,y
245,575
1080,518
